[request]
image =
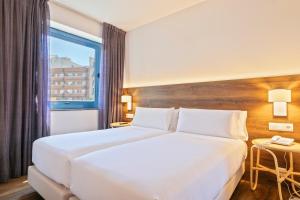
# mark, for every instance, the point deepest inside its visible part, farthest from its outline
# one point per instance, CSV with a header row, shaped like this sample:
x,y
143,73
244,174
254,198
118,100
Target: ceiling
x,y
127,14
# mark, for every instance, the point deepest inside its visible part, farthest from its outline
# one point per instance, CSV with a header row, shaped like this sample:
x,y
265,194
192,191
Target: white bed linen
x,y
52,155
170,167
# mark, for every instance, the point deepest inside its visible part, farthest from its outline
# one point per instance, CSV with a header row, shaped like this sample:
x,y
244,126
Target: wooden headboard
x,y
243,94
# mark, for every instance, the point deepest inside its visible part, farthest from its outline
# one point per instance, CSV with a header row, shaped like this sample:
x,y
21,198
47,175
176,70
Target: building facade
x,y
71,81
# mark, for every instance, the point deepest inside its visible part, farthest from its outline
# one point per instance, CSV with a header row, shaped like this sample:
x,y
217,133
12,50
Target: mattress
x,y
52,155
170,167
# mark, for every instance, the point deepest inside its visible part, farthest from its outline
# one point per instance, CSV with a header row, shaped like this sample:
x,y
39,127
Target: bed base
x,y
46,187
228,189
51,190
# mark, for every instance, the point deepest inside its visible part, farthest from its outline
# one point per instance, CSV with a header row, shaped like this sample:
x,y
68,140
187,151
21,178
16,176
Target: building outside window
x,y
74,66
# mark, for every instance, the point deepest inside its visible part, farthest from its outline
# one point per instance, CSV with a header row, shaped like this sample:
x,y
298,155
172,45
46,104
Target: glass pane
x,y
72,70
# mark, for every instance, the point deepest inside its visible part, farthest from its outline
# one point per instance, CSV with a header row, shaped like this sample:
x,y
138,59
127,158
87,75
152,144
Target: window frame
x,y
77,105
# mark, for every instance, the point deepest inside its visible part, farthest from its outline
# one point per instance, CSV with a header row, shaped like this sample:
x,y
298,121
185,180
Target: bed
x,y
203,159
169,167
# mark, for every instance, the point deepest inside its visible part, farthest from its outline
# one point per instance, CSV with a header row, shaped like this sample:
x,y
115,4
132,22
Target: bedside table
x,y
282,174
119,124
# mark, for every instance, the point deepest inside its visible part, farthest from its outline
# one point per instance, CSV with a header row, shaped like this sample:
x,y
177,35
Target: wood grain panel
x,y
243,94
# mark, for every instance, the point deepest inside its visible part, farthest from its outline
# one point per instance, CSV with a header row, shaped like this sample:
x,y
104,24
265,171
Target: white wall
x,y
216,40
74,19
73,121
76,120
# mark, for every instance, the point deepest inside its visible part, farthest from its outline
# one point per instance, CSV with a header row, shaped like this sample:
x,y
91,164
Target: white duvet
x,y
170,167
52,155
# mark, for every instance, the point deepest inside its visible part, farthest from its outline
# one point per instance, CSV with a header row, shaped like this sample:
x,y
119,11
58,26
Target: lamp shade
x,y
125,98
280,95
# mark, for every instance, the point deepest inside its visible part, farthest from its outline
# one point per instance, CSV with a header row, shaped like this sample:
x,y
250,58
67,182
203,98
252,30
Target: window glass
x,y
74,67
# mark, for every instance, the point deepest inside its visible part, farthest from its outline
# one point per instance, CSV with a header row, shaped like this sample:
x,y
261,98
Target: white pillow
x,y
174,120
219,123
159,118
239,125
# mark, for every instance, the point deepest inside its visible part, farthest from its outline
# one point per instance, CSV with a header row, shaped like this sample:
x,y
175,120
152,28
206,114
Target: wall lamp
x,y
280,98
127,99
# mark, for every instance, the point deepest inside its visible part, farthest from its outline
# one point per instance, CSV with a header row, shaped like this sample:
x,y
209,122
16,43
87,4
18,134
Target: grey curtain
x,y
111,75
23,82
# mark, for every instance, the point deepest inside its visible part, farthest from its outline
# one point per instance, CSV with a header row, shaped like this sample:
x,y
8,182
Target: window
x,y
74,66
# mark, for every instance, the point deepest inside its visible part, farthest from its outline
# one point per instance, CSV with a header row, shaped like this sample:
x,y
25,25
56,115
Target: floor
x,y
19,189
266,190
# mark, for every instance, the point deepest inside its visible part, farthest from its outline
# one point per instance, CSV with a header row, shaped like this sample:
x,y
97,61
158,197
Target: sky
x,y
78,54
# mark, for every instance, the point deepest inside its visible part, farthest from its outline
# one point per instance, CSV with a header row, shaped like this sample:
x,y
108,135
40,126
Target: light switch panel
x,y
129,116
288,127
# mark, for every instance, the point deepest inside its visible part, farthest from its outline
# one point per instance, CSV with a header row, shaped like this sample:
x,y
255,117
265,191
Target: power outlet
x,y
129,116
288,127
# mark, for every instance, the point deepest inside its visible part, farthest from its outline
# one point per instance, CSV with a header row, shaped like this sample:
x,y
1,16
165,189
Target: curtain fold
x,y
111,75
24,28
